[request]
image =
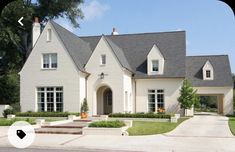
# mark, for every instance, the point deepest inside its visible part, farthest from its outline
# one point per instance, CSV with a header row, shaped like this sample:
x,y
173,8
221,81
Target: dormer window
x,y
48,34
155,65
155,61
103,59
208,74
208,71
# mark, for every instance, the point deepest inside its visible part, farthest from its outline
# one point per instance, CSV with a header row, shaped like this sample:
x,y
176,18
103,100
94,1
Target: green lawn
x,y
150,128
8,122
232,124
31,120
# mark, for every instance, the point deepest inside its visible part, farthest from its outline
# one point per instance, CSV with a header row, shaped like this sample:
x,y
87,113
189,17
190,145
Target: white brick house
x,y
117,73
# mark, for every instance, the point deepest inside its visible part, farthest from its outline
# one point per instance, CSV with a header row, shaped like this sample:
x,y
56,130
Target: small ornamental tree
x,y
188,96
84,106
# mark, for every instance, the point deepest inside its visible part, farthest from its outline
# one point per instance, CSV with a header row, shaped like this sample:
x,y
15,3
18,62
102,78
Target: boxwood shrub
x,y
140,115
45,114
107,124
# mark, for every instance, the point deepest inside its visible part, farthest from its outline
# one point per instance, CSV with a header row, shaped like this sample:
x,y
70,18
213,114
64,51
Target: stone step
x,y
69,125
59,131
83,120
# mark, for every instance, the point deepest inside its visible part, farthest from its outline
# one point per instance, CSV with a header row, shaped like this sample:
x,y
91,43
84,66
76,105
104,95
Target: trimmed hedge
x,y
108,124
140,115
45,114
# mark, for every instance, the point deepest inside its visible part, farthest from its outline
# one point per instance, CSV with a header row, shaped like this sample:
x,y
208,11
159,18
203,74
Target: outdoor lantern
x,y
102,75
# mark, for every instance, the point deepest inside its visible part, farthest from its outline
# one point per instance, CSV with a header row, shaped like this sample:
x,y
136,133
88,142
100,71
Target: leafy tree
x,y
16,40
188,96
9,90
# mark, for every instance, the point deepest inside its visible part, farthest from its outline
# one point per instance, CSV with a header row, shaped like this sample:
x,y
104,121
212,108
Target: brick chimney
x,y
114,31
36,30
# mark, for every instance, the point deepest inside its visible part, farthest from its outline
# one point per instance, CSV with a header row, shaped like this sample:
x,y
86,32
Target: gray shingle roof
x,y
221,66
137,46
78,49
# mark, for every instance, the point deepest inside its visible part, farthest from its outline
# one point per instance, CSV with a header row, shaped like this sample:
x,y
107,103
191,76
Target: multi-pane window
x,y
155,100
155,65
103,59
50,99
49,61
151,100
208,73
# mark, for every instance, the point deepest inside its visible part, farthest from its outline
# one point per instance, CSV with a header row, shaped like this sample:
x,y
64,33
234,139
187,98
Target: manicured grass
x,y
232,124
8,122
150,128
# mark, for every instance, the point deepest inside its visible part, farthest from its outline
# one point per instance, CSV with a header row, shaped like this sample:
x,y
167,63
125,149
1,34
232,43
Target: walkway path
x,y
198,134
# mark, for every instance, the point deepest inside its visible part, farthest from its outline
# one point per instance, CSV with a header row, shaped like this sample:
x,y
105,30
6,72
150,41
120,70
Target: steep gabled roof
x,y
221,67
78,49
119,54
136,47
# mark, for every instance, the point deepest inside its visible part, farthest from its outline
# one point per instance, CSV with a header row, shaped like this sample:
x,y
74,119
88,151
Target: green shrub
x,y
140,115
8,112
45,114
108,124
16,107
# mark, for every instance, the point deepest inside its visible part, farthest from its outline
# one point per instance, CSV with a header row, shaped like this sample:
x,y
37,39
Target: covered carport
x,y
211,76
224,97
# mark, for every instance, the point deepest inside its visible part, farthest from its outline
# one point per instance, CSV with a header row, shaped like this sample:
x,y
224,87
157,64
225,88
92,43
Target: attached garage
x,y
211,76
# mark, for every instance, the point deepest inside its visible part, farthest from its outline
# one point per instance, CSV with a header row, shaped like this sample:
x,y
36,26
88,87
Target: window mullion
x,y
45,100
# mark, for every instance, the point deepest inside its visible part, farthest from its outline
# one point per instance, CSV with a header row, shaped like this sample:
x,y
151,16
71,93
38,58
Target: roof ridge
x,y
206,55
130,34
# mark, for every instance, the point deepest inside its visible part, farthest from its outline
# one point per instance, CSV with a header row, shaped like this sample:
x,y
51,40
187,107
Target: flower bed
x,y
140,115
45,114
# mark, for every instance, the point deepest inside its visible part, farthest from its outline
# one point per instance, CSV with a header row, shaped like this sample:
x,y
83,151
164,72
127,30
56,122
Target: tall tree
x,y
16,41
188,96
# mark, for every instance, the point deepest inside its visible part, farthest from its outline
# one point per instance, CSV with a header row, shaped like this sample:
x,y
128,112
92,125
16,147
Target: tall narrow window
x,y
155,65
160,99
48,34
103,59
151,100
208,73
41,99
46,61
49,61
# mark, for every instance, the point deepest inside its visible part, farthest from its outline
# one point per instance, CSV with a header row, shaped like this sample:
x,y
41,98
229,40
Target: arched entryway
x,y
104,100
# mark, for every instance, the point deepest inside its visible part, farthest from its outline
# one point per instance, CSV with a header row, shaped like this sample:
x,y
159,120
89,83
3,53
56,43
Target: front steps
x,y
74,127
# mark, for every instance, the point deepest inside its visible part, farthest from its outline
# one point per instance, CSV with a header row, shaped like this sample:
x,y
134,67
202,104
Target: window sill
x,y
47,69
102,65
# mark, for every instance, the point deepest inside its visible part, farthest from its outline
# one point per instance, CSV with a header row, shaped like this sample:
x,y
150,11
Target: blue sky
x,y
209,24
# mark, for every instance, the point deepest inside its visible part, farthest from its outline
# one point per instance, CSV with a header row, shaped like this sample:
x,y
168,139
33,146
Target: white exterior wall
x,y
66,75
226,91
82,87
127,83
171,89
113,77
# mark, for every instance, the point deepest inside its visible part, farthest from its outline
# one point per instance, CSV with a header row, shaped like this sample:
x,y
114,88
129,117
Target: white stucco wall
x,y
127,83
171,89
114,77
226,91
66,75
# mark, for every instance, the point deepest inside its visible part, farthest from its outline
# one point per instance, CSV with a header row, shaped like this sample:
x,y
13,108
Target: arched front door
x,y
104,100
107,101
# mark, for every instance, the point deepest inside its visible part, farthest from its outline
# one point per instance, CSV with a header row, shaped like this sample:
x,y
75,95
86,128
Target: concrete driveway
x,y
204,126
198,134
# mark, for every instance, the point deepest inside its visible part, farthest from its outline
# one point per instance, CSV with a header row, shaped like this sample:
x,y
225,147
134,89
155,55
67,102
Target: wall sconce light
x,y
102,75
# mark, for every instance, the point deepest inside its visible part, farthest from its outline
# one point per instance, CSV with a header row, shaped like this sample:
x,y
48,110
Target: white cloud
x,y
179,29
93,10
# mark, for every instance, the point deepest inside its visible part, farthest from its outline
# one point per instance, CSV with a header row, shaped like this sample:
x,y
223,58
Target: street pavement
x,y
198,134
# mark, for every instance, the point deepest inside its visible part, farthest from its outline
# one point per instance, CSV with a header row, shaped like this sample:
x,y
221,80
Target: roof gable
x,y
78,49
221,68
